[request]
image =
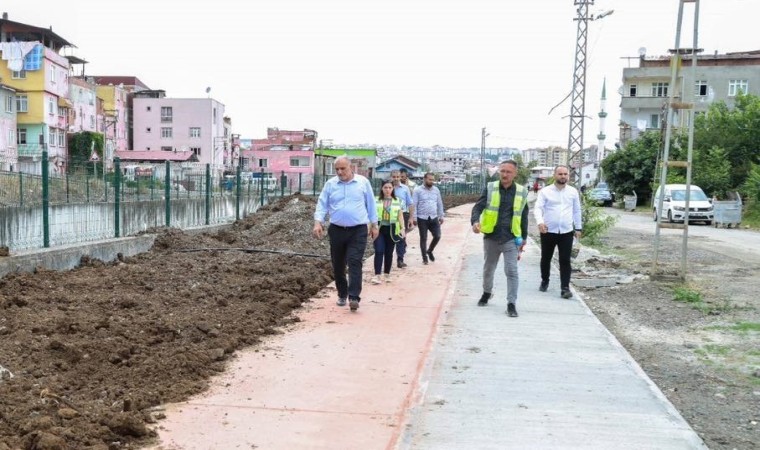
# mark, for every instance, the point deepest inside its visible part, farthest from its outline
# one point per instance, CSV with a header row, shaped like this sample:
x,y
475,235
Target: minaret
x,y
602,114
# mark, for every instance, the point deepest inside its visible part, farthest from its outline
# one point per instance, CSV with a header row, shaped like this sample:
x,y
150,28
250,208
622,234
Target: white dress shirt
x,y
559,209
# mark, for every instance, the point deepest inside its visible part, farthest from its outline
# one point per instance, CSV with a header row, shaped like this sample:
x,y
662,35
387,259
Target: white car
x,y
674,204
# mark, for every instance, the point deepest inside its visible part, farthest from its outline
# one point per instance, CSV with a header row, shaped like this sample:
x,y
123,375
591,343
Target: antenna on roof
x,y
208,89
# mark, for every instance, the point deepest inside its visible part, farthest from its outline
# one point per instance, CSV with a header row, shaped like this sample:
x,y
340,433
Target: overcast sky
x,y
404,72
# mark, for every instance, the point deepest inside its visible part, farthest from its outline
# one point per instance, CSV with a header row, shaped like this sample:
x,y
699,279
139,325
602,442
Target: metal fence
x,y
85,204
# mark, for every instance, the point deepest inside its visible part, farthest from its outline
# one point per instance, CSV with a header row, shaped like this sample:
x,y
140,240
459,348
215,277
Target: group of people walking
x,y
356,213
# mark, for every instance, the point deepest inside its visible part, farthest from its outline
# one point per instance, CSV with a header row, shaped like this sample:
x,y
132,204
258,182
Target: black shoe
x,y
511,310
566,293
353,304
341,302
544,286
484,299
430,255
401,264
425,262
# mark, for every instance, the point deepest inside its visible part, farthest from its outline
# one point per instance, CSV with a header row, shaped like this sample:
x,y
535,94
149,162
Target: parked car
x,y
674,204
600,196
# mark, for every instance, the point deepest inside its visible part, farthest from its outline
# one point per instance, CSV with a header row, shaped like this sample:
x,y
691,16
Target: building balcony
x,y
33,151
644,102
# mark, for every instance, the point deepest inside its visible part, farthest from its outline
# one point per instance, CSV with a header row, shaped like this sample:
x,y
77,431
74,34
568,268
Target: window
x,y
263,163
300,161
735,86
166,114
52,74
51,106
659,89
10,137
21,135
61,138
91,97
654,121
330,168
9,104
92,122
195,132
700,88
632,90
51,137
22,103
18,74
166,132
61,112
166,149
196,151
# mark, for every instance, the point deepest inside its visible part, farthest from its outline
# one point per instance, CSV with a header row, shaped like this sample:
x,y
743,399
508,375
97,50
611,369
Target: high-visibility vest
x,y
490,214
395,208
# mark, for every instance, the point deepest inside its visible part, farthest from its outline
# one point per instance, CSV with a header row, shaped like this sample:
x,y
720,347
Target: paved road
x,y
736,243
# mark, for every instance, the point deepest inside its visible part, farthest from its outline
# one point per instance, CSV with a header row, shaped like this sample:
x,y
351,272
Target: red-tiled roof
x,y
154,155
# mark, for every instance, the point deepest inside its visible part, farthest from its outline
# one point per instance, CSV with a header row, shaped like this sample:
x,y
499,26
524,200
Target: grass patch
x,y
713,350
686,295
694,298
739,327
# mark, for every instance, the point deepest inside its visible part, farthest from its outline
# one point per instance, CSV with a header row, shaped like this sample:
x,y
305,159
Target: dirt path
x,y
699,341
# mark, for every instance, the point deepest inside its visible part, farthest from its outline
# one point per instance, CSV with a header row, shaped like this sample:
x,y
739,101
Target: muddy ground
x,y
88,356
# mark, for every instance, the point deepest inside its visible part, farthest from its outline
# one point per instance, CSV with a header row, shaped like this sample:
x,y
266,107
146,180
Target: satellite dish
x,y
642,51
208,89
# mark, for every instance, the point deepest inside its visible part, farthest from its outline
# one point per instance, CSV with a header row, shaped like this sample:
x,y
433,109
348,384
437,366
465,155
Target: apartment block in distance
x,y
646,88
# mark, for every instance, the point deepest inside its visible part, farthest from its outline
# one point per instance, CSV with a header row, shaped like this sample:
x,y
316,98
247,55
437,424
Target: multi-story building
x,y
646,88
83,115
129,84
193,125
550,156
8,157
282,152
33,67
116,119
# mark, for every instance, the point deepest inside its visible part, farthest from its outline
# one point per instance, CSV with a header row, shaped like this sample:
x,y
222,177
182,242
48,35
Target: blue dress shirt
x,y
348,203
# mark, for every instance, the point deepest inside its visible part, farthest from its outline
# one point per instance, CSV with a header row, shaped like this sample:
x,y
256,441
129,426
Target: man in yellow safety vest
x,y
501,214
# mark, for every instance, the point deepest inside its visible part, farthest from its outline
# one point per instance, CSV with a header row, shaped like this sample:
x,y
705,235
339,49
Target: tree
x,y
81,147
632,168
736,130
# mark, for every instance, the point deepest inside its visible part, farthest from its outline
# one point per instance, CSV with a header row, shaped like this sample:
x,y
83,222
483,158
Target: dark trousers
x,y
401,244
384,245
563,242
347,246
435,230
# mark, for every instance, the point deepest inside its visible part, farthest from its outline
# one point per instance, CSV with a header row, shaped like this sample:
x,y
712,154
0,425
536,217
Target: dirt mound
x,y
87,354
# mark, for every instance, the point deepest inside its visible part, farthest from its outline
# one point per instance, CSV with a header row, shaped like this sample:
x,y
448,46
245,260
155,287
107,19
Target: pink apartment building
x,y
180,125
283,152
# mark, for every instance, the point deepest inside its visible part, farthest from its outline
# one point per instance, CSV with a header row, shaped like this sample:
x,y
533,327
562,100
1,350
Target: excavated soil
x,y
88,356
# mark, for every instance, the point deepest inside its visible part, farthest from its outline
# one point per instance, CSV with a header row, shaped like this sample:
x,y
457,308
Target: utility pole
x,y
578,102
483,135
674,104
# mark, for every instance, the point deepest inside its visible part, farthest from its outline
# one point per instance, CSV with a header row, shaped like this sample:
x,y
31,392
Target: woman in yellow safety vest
x,y
390,217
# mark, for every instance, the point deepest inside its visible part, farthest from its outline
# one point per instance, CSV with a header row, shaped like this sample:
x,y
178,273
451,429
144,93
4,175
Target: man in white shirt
x,y
558,214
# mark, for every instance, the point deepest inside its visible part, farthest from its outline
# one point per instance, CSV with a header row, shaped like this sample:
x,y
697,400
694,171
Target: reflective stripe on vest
x,y
490,214
395,208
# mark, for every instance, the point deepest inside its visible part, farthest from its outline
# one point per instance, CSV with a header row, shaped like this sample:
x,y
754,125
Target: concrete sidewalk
x,y
420,366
